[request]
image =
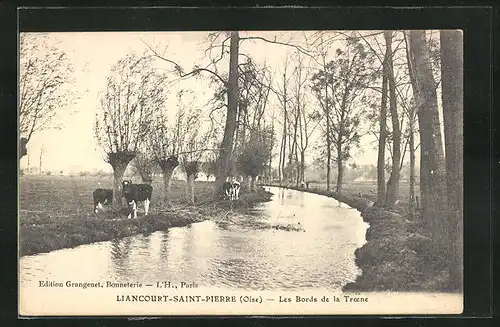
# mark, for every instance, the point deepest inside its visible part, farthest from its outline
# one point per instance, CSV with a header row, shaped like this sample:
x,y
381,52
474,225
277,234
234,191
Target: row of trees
x,y
401,74
134,124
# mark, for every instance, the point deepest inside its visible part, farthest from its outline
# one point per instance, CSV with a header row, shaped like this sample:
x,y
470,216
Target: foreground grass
x,y
399,254
57,212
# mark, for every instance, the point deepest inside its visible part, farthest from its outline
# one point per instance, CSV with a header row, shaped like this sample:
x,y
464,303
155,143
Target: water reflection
x,y
165,241
120,256
237,252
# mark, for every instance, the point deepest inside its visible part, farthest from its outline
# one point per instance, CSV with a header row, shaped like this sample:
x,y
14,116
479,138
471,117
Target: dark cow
x,y
227,190
102,196
22,147
134,193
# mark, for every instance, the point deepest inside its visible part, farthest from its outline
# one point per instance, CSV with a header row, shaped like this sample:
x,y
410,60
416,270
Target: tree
x,y
412,117
253,158
432,164
393,183
381,194
326,109
42,151
132,94
284,101
45,78
192,147
163,144
452,97
226,147
225,160
304,119
346,78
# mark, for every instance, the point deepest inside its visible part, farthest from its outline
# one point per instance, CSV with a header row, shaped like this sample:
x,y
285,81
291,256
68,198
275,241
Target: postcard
x,y
241,173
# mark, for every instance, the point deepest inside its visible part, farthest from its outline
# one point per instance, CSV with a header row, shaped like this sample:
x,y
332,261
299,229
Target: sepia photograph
x,y
306,172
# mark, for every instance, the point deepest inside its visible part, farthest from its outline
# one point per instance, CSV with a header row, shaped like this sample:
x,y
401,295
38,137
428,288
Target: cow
x,y
135,193
102,196
231,189
236,189
22,147
227,189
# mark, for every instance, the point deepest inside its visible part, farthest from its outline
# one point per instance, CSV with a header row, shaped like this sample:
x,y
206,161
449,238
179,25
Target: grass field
x,y
47,199
57,211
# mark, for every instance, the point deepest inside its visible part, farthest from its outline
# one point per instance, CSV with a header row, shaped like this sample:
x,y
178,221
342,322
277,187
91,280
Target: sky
x,y
73,147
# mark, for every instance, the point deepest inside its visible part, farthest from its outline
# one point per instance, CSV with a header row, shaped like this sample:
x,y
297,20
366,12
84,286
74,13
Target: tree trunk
x,y
340,176
340,168
432,165
190,188
248,183
383,135
270,169
393,183
412,163
413,198
226,148
167,168
167,183
452,97
119,163
41,158
328,144
252,183
302,164
280,170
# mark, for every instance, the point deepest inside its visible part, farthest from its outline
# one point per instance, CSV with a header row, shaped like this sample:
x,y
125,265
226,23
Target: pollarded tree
x,y
45,79
190,142
132,94
162,144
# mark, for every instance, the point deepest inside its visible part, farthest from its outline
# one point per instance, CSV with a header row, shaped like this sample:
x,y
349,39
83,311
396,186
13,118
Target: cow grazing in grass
x,y
102,196
236,189
135,193
231,189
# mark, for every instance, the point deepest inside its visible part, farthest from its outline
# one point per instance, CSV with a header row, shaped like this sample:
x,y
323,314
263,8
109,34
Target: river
x,y
240,251
240,260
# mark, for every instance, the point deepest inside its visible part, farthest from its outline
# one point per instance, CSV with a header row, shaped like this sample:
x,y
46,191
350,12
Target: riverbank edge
x,y
107,226
397,255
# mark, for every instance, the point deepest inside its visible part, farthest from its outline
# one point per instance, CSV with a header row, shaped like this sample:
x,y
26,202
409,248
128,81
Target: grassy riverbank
x,y
56,212
398,254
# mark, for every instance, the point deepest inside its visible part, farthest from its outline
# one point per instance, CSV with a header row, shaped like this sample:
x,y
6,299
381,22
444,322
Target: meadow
x,y
57,211
48,199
